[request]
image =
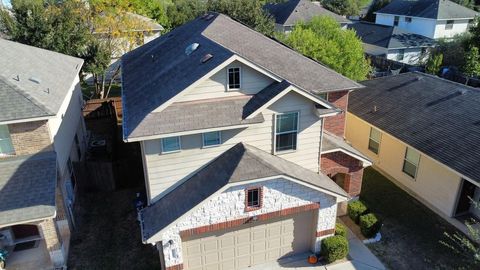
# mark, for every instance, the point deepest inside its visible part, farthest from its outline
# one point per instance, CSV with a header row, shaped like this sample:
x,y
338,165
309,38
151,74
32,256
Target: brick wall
x,y
336,124
339,162
50,234
30,137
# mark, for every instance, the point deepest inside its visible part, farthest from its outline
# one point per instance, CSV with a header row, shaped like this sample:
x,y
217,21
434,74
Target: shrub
x,y
334,248
355,209
340,230
369,225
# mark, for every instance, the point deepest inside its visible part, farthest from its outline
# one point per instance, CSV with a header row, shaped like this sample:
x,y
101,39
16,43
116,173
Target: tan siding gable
x,y
165,171
252,81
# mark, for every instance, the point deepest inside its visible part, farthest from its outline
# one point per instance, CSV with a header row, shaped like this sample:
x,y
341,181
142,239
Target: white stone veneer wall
x,y
278,194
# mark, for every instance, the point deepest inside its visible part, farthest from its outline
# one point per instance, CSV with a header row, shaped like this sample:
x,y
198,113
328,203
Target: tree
x,y
376,6
249,12
345,7
434,63
467,3
323,40
182,11
472,63
475,32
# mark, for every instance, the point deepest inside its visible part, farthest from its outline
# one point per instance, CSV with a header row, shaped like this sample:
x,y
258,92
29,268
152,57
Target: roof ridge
x,y
445,80
288,47
28,97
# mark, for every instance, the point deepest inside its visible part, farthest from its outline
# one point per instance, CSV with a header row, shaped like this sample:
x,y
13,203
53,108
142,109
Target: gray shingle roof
x,y
290,12
159,70
187,116
432,9
332,142
438,117
390,37
240,163
27,188
22,65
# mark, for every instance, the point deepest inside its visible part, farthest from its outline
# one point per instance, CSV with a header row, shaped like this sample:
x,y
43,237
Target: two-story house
x,y
41,133
431,18
239,134
289,13
393,42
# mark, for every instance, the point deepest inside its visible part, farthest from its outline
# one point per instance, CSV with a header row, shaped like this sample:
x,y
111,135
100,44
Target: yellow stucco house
x,y
422,132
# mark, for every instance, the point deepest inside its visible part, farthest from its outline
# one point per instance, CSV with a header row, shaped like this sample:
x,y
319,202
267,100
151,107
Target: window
x,y
408,19
323,96
211,139
374,140
401,55
410,164
253,198
77,145
6,146
396,19
286,129
171,144
234,78
449,25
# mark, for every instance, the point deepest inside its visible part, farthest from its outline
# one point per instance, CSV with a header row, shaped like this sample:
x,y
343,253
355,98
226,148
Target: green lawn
x,y
411,233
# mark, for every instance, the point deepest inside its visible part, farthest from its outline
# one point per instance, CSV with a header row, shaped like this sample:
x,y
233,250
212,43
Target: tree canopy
x,y
323,40
345,7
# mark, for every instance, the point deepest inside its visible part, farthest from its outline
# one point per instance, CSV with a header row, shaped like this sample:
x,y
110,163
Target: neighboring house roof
x,y
138,23
290,12
332,143
27,188
437,117
159,70
238,164
196,115
432,9
389,37
34,81
150,24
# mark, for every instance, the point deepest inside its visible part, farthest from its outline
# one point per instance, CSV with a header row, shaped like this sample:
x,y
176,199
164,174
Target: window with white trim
x,y
449,24
171,144
212,139
6,145
286,131
408,19
411,161
374,140
234,78
323,96
401,55
396,19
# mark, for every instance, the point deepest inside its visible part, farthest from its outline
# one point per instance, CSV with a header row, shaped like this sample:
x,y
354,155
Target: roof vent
x,y
206,57
191,48
375,109
209,17
35,80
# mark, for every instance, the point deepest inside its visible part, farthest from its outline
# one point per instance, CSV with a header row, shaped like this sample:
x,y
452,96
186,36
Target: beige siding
x,y
166,170
435,183
251,81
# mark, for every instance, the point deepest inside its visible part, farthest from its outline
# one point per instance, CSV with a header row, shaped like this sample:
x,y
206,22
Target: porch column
x,y
327,215
52,241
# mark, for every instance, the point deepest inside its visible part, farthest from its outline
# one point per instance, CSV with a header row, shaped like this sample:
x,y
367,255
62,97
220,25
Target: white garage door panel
x,y
250,244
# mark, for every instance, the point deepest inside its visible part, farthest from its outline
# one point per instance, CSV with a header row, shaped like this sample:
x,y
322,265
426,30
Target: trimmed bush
x,y
355,209
369,225
340,230
334,248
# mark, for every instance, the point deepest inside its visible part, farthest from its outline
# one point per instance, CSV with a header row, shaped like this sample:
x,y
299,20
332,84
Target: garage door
x,y
249,244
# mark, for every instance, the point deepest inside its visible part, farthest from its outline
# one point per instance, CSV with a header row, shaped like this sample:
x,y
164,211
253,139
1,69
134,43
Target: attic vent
x,y
463,91
191,48
35,80
210,16
419,78
206,57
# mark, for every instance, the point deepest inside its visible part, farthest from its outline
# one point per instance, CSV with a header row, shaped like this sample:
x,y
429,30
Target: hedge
x,y
334,248
369,225
340,230
355,209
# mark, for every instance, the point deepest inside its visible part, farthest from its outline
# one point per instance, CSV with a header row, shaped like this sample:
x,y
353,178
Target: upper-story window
x,y
212,139
323,96
234,78
6,146
449,24
286,130
374,140
408,19
411,161
253,198
396,19
171,144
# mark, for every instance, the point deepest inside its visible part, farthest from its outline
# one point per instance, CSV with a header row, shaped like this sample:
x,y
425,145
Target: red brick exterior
x,y
175,267
339,162
336,124
241,221
325,232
